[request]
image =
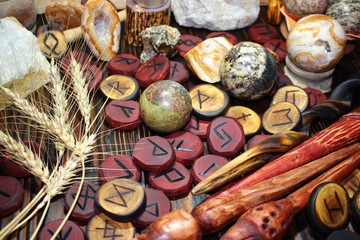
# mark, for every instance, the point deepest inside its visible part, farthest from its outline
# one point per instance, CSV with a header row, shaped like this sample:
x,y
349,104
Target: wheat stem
x,y
39,225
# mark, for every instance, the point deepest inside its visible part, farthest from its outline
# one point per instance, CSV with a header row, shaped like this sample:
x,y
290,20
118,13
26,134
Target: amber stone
x,y
65,14
11,195
165,106
248,71
70,229
225,136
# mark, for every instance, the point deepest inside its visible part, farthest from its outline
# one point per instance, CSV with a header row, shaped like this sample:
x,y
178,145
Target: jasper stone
x,y
347,13
248,71
297,9
165,106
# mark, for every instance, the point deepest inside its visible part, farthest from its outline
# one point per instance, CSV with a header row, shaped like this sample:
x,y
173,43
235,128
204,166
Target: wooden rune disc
x,y
230,37
124,115
153,70
225,136
102,227
126,64
328,207
188,147
206,165
352,182
93,76
119,166
293,94
262,32
52,41
121,199
315,96
120,87
70,231
157,205
278,46
154,154
247,117
85,206
355,206
283,116
178,72
174,182
188,42
197,126
208,101
11,195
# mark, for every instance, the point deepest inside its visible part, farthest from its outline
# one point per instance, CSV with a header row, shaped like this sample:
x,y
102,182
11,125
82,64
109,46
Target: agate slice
x,y
204,59
101,28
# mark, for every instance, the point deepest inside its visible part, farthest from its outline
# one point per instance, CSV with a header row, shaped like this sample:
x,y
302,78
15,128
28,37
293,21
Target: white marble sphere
x,y
316,43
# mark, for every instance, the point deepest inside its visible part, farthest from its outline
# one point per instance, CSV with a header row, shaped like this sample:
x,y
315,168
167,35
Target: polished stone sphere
x,y
298,9
316,43
347,13
248,71
165,106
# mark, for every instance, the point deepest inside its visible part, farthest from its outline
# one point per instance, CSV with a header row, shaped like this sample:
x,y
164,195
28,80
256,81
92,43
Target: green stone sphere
x,y
165,106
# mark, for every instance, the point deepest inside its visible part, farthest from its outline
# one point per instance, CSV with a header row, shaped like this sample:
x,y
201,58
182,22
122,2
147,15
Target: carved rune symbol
x,y
60,235
168,175
266,28
126,110
118,199
123,167
202,98
226,136
49,38
4,194
291,95
331,210
207,171
117,87
128,61
111,229
244,116
221,35
89,189
157,150
189,42
179,148
154,65
277,46
173,69
354,184
88,75
286,115
153,209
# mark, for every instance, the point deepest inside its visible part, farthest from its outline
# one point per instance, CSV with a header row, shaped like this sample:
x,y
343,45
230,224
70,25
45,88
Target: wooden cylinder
x,y
139,18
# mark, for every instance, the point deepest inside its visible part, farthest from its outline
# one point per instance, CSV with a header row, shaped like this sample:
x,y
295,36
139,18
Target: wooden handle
x,y
216,213
73,34
271,220
281,142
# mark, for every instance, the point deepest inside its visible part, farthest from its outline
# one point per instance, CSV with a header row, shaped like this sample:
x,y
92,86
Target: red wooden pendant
x,y
178,72
123,115
188,147
230,37
85,206
119,166
157,205
316,96
278,46
153,70
188,42
174,182
262,32
11,195
225,136
206,165
70,231
197,126
126,64
154,154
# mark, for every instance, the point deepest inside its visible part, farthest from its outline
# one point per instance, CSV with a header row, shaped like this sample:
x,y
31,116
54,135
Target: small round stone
x,y
248,71
297,9
346,12
165,106
316,43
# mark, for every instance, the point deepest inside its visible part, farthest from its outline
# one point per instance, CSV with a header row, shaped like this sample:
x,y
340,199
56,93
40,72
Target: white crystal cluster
x,y
20,52
216,15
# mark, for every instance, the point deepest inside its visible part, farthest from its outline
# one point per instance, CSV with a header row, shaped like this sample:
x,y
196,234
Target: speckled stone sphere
x,y
347,13
297,9
248,71
316,43
165,106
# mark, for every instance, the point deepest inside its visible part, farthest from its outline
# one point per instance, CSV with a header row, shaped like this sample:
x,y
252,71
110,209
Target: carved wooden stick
x,y
218,212
338,135
271,220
